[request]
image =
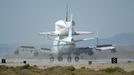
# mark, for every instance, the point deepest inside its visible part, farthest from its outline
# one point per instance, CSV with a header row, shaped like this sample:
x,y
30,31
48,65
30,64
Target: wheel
x,y
76,58
51,59
69,58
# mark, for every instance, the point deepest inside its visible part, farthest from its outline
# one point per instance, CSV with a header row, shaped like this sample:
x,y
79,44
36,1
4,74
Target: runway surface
x,y
127,65
125,55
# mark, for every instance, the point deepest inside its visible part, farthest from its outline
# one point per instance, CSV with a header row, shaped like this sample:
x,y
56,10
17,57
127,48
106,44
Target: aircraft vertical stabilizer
x,y
66,15
70,28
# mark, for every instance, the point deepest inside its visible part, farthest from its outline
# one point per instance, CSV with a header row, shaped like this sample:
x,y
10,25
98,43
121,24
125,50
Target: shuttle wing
x,y
53,33
82,33
49,33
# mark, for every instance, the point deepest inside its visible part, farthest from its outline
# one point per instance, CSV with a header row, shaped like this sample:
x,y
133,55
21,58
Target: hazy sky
x,y
22,20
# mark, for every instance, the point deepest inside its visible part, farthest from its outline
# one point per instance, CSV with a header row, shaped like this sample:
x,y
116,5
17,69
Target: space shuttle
x,y
61,27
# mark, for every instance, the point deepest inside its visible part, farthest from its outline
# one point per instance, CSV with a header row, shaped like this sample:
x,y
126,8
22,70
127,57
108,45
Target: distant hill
x,y
125,38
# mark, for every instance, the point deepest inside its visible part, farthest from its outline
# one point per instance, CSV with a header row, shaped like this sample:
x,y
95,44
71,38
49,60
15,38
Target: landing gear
x,y
51,59
60,59
69,58
76,58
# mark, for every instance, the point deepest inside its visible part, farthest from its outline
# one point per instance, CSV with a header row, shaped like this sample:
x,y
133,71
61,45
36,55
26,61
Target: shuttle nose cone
x,y
60,24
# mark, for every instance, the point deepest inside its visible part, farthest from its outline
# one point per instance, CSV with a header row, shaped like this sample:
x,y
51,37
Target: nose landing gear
x,y
69,58
76,58
51,59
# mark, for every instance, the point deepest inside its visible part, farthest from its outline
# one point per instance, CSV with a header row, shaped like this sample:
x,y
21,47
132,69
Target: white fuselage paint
x,y
61,27
63,46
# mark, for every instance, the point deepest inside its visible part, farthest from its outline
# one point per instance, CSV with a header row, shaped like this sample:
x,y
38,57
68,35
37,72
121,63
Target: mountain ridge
x,y
124,38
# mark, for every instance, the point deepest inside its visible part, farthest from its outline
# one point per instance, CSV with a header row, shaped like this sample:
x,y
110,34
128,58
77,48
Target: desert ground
x,y
95,65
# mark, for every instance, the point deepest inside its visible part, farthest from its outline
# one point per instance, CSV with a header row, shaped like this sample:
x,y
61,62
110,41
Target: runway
x,y
125,55
127,65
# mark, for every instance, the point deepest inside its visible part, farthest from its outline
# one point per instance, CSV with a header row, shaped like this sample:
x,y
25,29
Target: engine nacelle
x,y
90,53
85,50
106,47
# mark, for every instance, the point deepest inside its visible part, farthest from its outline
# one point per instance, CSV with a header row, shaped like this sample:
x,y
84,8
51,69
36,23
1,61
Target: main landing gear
x,y
69,58
51,59
76,58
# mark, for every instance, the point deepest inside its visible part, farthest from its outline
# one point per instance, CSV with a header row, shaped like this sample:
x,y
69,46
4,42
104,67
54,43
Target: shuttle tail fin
x,y
70,32
66,15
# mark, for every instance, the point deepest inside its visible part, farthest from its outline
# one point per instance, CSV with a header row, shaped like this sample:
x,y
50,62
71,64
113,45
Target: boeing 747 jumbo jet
x,y
64,43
